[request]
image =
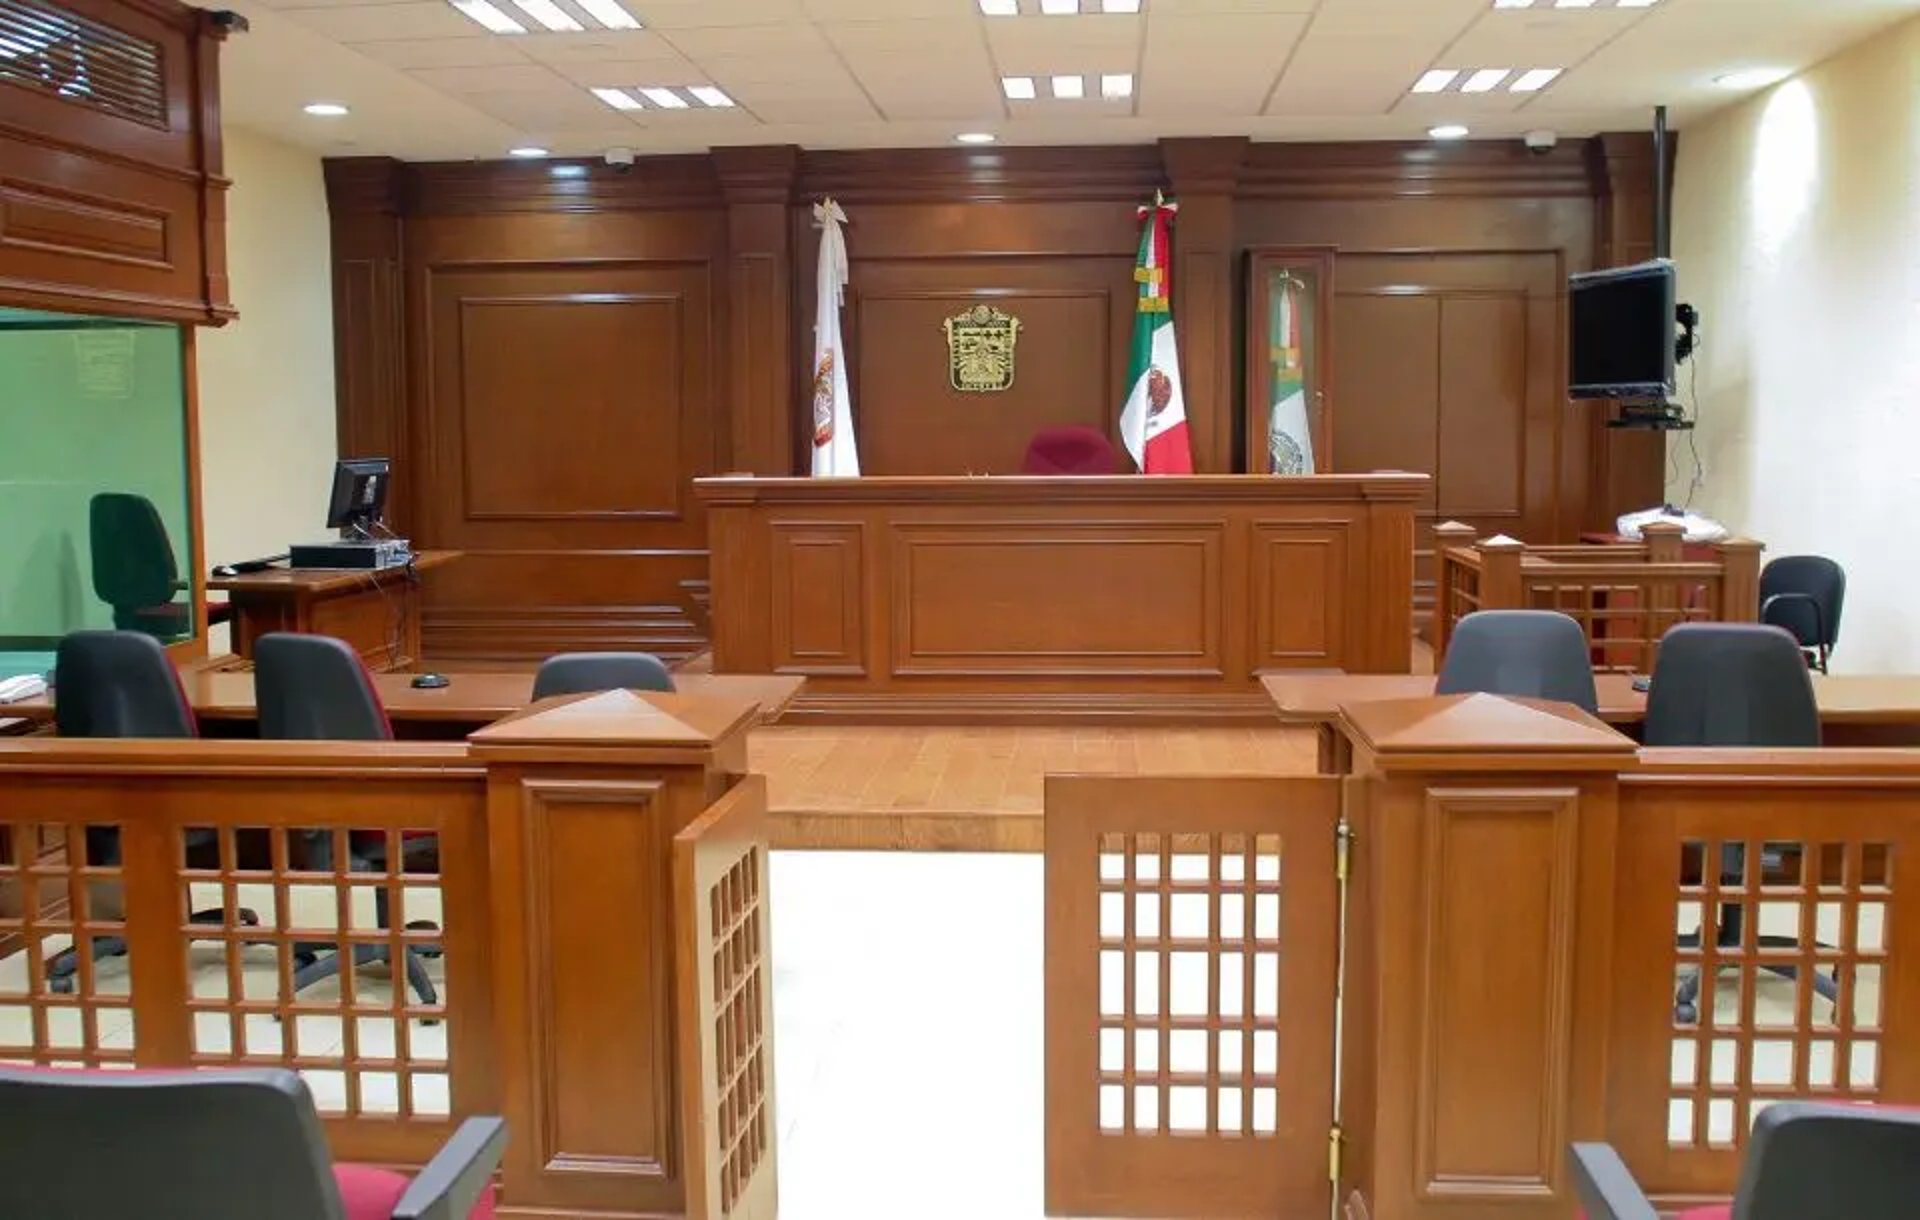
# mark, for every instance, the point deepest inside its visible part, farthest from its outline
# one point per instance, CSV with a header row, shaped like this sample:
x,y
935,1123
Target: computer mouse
x,y
430,682
225,571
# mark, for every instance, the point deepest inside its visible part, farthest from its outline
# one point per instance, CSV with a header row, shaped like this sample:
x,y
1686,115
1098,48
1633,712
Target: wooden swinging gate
x,y
1192,958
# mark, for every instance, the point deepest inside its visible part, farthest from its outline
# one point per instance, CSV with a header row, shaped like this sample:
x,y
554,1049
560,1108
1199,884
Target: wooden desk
x,y
1855,709
470,701
1014,598
377,612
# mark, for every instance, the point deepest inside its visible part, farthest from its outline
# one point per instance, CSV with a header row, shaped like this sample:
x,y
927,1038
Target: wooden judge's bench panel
x,y
1125,596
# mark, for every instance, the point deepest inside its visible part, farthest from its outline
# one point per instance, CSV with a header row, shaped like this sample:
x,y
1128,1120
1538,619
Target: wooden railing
x,y
524,879
1625,596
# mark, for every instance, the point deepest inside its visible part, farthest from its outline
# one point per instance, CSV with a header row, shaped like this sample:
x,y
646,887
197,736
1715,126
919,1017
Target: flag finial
x,y
1159,198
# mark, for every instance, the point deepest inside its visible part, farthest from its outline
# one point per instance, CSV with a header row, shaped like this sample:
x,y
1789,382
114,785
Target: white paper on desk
x,y
24,686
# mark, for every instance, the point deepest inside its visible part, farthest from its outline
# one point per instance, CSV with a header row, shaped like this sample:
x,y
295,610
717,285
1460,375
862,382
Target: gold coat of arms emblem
x,y
980,344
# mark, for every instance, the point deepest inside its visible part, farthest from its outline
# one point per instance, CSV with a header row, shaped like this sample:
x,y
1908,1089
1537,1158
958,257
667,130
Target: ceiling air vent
x,y
84,61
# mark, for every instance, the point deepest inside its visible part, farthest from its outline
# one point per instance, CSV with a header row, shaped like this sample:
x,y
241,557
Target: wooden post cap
x,y
662,727
1481,732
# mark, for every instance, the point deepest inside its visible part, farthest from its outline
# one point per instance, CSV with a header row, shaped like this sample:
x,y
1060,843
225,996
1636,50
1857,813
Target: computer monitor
x,y
359,497
1623,333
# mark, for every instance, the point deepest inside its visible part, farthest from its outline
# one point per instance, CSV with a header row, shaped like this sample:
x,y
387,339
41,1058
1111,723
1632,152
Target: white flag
x,y
834,454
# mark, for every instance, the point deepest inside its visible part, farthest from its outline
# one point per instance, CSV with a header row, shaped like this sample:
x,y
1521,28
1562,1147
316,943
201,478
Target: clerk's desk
x,y
378,612
223,698
1855,709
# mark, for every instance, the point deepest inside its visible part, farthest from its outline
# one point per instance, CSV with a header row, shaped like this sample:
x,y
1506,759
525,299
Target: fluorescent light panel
x,y
707,95
619,99
1533,80
549,14
1119,6
976,137
666,99
1448,131
1060,8
1069,87
1017,88
489,16
1116,85
1000,8
1435,80
1485,80
609,14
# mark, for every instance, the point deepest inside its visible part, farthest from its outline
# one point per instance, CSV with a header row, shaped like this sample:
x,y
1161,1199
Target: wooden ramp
x,y
952,788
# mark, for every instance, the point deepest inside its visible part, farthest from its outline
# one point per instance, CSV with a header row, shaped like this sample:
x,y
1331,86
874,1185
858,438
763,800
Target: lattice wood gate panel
x,y
725,993
1191,942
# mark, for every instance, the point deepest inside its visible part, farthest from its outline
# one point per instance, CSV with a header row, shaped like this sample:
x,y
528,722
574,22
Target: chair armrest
x,y
1813,603
454,1179
1607,1190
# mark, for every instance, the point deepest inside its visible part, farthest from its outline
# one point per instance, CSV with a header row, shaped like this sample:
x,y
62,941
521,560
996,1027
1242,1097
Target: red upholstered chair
x,y
1806,1161
1074,449
213,1145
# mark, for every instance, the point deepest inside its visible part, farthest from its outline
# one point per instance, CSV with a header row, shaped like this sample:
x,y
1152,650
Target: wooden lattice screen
x,y
725,986
1775,955
1191,943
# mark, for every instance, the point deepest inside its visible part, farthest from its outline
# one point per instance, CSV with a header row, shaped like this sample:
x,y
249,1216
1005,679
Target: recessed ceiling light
x,y
1116,85
666,99
619,99
528,151
1751,78
549,14
1017,88
707,95
1069,87
1000,8
325,110
976,137
1119,6
1534,79
610,14
1435,79
489,16
1485,80
568,171
1448,131
1060,8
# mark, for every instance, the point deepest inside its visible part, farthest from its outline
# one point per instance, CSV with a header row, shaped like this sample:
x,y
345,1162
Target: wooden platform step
x,y
968,788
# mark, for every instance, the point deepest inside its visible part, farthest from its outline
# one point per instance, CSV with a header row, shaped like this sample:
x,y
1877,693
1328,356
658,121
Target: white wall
x,y
266,381
1797,233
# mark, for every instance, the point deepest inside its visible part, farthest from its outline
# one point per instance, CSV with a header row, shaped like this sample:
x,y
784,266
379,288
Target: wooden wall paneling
x,y
567,480
758,185
369,343
1205,173
1628,467
119,208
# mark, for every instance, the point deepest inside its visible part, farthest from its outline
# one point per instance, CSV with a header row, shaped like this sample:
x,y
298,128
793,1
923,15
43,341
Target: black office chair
x,y
213,1145
1733,684
121,684
1806,1161
316,688
582,673
133,566
1528,654
1804,594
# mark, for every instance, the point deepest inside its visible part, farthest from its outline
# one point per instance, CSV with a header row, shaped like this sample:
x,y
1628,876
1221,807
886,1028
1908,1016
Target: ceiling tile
x,y
546,111
383,22
1540,38
1349,74
444,52
698,14
786,38
1214,65
814,110
595,47
859,10
506,78
620,73
729,71
933,38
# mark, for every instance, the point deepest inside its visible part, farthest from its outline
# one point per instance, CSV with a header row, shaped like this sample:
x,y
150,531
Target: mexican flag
x,y
1289,441
1153,423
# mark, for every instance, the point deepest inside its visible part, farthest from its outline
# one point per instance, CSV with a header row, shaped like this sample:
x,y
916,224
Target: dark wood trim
x,y
758,185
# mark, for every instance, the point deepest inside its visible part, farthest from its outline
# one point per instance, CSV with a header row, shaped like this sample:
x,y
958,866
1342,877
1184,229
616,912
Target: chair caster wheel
x,y
1686,1014
426,925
